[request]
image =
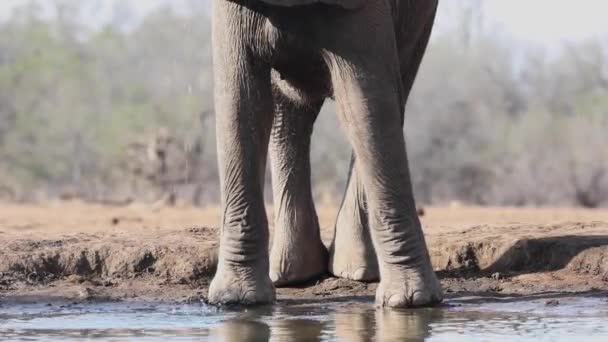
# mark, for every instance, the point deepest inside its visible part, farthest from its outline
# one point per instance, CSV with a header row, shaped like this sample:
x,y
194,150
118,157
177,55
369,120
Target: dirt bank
x,y
75,251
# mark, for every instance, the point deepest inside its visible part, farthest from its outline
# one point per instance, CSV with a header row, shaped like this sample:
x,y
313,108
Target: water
x,y
463,319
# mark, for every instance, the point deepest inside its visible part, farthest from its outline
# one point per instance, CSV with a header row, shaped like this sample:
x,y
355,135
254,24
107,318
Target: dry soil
x,y
80,252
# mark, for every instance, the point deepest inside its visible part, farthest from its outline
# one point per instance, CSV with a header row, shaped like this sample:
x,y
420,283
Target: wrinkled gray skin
x,y
275,64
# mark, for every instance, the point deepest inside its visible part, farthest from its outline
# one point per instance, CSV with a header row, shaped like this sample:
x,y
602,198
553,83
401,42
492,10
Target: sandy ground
x,y
79,252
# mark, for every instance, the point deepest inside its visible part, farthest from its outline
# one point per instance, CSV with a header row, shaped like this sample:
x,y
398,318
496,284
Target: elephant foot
x,y
353,267
408,289
241,286
297,262
352,256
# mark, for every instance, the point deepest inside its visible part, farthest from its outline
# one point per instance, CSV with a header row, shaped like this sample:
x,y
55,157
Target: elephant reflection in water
x,y
385,325
241,330
282,330
296,330
413,325
355,325
350,325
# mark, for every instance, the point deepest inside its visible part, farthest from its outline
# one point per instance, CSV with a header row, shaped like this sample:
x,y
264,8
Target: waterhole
x,y
554,318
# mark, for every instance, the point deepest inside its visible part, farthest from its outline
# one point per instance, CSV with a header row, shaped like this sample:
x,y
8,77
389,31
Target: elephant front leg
x,y
243,102
297,252
371,115
367,88
352,254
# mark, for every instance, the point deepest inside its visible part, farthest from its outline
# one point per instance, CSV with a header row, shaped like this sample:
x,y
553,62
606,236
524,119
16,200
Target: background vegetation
x,y
123,111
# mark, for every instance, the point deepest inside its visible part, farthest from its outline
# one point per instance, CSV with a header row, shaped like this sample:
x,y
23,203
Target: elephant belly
x,y
299,70
292,37
343,3
302,80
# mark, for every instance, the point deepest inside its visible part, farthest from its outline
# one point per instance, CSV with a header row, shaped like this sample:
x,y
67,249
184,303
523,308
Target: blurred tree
x,y
490,121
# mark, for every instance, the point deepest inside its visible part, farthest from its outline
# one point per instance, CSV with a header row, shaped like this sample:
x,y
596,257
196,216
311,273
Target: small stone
x,y
33,277
496,276
75,279
195,299
495,288
552,302
85,293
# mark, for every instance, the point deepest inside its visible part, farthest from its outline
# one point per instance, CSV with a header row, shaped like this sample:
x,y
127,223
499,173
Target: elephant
x,y
275,63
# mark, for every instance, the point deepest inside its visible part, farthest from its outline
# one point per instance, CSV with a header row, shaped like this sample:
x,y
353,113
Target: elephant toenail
x,y
360,274
396,301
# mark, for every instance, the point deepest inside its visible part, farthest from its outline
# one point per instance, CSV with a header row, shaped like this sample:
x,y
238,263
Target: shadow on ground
x,y
554,253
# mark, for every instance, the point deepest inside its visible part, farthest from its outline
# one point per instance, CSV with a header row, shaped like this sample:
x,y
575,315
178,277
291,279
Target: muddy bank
x,y
72,251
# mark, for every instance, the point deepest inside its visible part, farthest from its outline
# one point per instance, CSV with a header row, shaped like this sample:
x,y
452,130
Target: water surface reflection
x,y
362,322
337,321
